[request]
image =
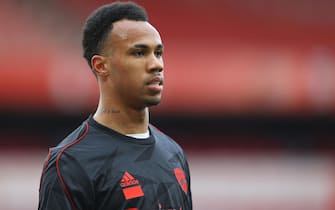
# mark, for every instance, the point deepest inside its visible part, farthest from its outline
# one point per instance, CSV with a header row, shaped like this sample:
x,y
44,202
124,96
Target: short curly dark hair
x,y
100,23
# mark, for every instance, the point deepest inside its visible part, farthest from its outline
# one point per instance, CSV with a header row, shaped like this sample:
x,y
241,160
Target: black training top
x,y
97,168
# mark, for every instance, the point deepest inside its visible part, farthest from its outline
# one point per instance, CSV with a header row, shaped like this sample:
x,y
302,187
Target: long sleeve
x,y
64,185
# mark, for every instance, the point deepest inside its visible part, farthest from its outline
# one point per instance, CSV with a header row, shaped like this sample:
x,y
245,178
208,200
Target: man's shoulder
x,y
72,139
75,136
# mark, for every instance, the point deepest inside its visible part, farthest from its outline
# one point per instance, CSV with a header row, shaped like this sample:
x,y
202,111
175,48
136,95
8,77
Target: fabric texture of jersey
x,y
96,168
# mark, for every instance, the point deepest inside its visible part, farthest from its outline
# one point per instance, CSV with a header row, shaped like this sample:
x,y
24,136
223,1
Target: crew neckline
x,y
142,136
119,135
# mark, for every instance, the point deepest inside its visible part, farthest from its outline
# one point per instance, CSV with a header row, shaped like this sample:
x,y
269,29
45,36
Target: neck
x,y
122,120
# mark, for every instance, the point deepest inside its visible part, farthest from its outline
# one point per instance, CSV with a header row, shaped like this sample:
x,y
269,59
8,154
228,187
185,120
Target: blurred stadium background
x,y
250,95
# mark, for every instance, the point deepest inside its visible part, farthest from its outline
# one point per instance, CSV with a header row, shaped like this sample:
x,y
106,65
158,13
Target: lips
x,y
155,84
158,80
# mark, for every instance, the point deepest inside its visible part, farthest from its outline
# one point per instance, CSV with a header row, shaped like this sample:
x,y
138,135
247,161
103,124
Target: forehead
x,y
128,33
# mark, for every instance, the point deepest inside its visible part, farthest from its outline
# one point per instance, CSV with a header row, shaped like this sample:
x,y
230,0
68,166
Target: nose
x,y
155,63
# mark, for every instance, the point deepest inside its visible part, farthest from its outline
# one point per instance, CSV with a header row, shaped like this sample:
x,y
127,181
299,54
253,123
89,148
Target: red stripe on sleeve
x,y
67,192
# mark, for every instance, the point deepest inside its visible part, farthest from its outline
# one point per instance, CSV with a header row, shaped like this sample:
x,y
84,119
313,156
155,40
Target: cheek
x,y
132,72
128,73
130,79
134,80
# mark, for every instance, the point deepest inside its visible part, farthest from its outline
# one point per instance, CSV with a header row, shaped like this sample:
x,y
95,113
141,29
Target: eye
x,y
139,53
158,53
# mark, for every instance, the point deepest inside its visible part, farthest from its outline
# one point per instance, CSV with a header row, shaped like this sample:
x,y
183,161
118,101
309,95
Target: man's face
x,y
135,64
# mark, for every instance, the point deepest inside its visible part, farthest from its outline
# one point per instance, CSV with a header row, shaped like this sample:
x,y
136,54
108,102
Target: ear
x,y
99,65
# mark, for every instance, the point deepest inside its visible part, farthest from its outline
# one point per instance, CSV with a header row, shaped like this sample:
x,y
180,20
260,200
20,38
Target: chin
x,y
153,102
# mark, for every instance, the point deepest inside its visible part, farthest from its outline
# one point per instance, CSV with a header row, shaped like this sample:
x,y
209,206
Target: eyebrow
x,y
144,46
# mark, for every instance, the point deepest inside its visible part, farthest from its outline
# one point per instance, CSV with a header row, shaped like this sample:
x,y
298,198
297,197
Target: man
x,y
116,159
